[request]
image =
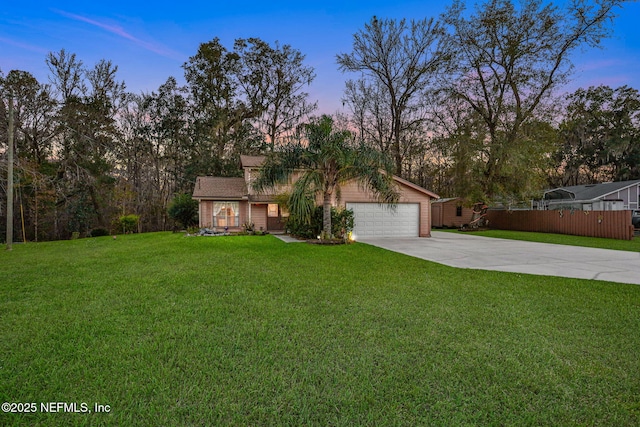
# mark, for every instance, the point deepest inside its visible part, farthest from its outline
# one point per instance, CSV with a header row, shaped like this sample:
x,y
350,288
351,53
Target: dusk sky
x,y
149,41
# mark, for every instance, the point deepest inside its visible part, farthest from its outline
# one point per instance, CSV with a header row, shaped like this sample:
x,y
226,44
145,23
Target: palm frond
x,y
302,199
278,167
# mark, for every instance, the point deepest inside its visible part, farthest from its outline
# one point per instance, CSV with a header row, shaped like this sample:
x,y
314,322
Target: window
x,y
272,210
226,214
458,210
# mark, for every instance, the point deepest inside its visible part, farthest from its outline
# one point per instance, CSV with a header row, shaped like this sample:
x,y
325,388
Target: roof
x,y
209,187
450,199
588,192
220,188
251,161
415,187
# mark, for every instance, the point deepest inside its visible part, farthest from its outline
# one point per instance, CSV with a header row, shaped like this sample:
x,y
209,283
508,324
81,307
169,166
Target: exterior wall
x,y
250,174
205,211
444,214
436,214
609,224
630,197
259,216
351,192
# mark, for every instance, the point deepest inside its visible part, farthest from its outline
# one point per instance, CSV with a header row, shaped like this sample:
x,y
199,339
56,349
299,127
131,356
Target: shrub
x,y
98,232
184,210
129,223
341,224
248,227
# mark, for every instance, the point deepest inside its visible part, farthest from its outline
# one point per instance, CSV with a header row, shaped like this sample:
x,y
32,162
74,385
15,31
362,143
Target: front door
x,y
275,221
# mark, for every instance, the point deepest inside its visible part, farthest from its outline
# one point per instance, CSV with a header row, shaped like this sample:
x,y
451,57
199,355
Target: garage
x,y
376,220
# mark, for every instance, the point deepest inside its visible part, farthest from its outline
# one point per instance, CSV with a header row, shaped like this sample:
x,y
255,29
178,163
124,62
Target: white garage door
x,y
375,220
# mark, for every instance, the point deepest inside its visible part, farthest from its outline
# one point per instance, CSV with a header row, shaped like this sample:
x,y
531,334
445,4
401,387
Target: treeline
x,y
466,105
88,152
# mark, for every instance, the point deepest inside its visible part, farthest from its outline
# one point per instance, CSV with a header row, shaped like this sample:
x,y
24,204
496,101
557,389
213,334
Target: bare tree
x,y
273,79
398,60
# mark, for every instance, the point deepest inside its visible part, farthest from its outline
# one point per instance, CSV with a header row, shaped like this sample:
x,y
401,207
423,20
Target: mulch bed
x,y
327,241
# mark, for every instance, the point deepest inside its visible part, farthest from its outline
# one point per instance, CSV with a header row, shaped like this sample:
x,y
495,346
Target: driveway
x,y
465,250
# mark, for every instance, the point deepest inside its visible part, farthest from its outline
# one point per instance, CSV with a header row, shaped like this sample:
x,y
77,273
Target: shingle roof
x,y
220,188
590,192
251,161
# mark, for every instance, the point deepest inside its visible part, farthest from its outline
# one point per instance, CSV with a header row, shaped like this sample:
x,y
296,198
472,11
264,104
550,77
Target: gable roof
x,y
588,192
415,187
220,188
251,161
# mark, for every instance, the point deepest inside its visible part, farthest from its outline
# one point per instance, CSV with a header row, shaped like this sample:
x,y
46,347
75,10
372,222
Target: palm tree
x,y
326,159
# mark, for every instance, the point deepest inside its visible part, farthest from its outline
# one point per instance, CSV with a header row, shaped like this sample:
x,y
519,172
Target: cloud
x,y
599,65
24,46
121,32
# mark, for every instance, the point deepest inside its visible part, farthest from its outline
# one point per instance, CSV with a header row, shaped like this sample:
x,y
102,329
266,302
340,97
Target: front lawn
x,y
169,331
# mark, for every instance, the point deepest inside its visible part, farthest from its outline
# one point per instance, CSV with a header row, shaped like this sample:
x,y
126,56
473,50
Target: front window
x,y
226,214
272,210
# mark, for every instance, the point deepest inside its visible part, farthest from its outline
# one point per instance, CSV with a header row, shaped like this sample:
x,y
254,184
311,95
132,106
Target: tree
x,y
90,100
273,79
34,115
243,98
600,136
398,61
326,160
184,209
506,62
35,126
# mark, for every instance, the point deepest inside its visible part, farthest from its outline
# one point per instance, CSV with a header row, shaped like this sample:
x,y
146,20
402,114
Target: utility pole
x,y
10,178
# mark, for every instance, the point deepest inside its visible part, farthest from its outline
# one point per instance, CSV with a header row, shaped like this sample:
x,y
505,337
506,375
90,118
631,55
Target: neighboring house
x,y
450,213
609,196
231,202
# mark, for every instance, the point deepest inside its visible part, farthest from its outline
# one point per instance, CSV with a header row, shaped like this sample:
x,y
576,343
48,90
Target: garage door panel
x,y
373,219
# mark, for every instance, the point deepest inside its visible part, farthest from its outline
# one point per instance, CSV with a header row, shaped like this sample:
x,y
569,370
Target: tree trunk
x,y
326,216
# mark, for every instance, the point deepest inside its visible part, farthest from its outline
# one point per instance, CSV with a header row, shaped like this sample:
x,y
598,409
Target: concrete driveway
x,y
464,250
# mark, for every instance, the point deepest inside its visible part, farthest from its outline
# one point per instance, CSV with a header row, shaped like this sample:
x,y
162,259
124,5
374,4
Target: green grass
x,y
561,239
173,331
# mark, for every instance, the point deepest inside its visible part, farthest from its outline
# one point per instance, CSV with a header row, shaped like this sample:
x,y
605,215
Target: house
x,y
450,212
231,202
608,196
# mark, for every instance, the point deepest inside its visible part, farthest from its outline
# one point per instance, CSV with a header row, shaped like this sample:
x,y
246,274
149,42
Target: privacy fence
x,y
609,224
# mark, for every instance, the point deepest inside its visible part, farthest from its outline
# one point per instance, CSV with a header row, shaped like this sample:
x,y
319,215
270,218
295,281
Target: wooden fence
x,y
609,224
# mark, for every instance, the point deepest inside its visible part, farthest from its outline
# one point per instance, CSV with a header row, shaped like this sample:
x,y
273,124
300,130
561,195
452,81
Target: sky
x,y
150,41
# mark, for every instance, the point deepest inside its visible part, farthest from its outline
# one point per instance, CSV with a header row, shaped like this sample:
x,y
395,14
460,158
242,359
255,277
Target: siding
x,y
259,216
444,214
206,213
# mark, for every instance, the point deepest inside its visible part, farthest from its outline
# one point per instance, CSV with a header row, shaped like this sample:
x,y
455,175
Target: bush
x,y
341,224
184,210
129,223
98,232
